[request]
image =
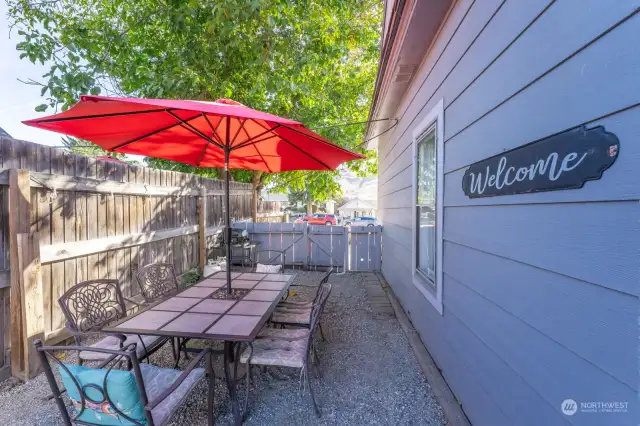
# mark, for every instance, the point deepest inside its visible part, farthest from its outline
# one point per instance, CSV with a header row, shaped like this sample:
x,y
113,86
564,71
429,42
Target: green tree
x,y
86,148
313,61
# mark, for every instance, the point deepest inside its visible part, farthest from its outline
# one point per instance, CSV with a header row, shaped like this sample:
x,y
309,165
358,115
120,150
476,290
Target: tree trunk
x,y
256,186
254,203
309,207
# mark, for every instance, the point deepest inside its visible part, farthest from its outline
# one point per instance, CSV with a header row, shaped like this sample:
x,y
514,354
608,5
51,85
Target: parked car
x,y
322,219
361,221
296,218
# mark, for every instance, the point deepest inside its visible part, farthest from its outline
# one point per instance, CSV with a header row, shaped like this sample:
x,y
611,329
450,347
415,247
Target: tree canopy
x,y
313,61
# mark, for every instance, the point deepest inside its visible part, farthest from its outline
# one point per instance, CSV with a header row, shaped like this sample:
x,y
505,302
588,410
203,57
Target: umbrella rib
x,y
204,151
193,129
317,139
238,132
255,146
83,117
300,149
305,153
253,139
263,160
213,130
149,134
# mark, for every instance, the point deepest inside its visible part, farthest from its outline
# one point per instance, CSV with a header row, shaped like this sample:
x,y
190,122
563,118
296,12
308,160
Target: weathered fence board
x,y
359,248
365,248
100,219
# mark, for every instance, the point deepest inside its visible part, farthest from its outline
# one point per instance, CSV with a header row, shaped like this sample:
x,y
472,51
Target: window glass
x,y
426,205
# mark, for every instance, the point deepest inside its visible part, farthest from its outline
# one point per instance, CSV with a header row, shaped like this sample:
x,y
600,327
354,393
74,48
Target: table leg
x,y
231,383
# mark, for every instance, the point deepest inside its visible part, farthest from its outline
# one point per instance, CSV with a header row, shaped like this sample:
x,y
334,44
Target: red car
x,y
322,219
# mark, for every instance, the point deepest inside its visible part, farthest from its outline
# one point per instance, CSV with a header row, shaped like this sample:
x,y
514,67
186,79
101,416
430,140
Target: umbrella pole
x,y
227,218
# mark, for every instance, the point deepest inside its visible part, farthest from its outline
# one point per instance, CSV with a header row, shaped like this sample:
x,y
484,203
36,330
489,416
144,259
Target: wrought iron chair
x,y
298,313
91,305
273,258
157,280
145,395
285,348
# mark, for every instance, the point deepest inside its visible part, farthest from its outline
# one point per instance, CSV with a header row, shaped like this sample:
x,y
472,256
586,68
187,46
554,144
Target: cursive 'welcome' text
x,y
505,175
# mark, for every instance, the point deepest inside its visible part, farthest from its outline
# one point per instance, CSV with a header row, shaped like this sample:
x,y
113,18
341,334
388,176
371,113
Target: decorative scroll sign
x,y
563,161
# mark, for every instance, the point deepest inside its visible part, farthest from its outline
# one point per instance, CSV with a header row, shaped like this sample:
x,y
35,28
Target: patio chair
x,y
298,313
145,395
157,280
284,348
289,304
91,305
273,258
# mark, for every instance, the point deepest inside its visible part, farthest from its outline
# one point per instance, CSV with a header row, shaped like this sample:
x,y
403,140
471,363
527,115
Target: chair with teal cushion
x,y
91,305
144,395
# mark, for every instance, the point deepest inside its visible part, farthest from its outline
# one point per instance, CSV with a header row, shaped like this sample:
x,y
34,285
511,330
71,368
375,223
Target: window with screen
x,y
426,205
428,210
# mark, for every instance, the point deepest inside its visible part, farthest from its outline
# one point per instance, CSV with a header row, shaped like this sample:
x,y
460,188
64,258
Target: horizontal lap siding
x,y
540,290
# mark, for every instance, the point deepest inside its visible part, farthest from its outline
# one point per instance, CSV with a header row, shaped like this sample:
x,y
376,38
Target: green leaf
x,y
41,108
314,62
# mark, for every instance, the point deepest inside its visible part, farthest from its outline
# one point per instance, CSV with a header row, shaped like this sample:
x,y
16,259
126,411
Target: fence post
x,y
378,248
19,205
347,250
307,243
202,227
32,299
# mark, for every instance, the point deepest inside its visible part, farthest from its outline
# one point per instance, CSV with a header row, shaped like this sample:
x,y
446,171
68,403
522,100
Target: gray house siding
x,y
540,291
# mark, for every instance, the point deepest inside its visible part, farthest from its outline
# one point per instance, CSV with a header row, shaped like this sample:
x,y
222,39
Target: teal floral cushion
x,y
121,388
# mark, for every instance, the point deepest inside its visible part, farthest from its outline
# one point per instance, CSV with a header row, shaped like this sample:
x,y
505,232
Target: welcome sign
x,y
562,161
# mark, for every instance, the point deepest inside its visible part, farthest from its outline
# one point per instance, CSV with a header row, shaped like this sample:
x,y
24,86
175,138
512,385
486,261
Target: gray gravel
x,y
370,377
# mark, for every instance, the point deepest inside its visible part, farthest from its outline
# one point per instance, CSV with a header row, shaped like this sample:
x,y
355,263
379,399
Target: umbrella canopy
x,y
197,133
223,133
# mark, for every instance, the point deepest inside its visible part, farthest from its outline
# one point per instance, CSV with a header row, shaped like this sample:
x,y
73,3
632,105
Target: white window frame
x,y
435,116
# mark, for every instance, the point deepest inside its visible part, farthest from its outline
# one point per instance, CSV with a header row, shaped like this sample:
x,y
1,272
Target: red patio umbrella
x,y
223,133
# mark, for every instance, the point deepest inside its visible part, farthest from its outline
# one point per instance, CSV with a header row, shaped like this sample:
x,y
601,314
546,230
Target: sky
x,y
18,100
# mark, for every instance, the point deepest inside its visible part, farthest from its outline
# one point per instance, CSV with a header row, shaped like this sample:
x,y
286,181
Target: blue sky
x,y
18,100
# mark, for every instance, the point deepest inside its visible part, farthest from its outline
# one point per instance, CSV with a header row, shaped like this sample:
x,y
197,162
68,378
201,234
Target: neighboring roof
x,y
357,204
4,133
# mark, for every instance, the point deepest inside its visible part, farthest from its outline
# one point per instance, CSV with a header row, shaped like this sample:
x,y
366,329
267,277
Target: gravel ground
x,y
370,377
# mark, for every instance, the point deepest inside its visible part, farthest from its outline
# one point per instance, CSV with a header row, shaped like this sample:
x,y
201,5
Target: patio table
x,y
193,313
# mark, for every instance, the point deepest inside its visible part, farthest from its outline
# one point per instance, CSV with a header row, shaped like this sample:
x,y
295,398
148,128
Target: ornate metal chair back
x,y
90,305
156,280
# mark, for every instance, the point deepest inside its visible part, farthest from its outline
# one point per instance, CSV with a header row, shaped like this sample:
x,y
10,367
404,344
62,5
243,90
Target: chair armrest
x,y
135,302
192,365
120,337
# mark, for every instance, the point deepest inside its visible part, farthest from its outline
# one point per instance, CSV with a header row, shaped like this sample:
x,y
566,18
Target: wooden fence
x,y
356,248
75,218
